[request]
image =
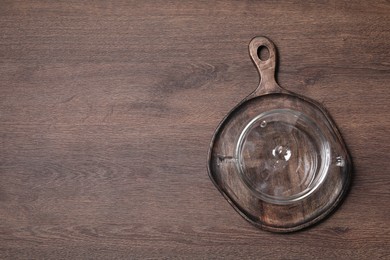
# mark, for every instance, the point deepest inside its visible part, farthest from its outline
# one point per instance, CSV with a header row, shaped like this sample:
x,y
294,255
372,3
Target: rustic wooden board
x,y
276,193
107,110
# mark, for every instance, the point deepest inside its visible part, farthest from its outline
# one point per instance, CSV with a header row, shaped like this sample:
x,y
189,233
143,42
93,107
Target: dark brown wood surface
x,y
107,109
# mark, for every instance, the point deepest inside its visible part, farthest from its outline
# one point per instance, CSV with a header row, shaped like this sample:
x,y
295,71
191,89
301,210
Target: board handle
x,y
265,66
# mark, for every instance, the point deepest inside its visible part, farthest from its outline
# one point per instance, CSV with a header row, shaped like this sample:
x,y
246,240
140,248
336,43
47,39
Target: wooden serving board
x,y
330,175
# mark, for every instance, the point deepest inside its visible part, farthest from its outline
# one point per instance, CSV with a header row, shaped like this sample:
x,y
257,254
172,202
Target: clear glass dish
x,y
281,156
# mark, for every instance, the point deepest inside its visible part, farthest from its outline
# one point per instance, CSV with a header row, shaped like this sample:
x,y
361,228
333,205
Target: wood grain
x,y
107,109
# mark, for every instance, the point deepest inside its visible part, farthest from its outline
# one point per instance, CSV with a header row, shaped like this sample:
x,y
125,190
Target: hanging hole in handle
x,y
263,53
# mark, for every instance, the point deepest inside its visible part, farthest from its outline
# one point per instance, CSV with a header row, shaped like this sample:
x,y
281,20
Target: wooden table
x,y
107,109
